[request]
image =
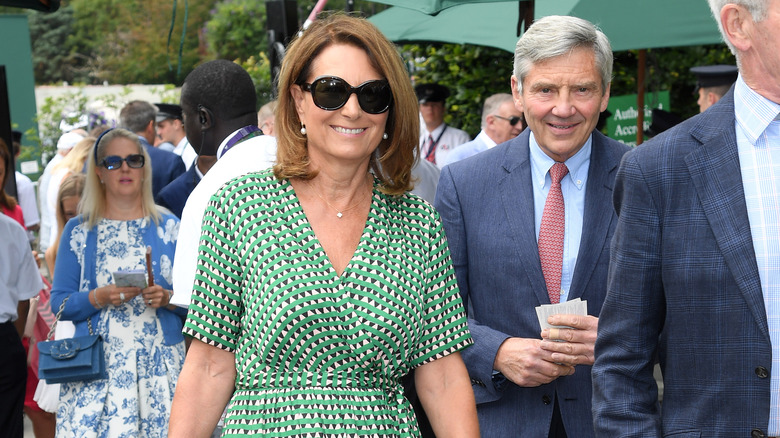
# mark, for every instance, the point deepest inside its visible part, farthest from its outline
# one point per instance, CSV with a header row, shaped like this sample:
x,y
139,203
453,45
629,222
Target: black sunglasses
x,y
512,120
331,93
134,161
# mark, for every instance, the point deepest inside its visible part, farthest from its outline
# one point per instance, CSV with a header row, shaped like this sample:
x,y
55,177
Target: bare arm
x,y
445,391
22,309
205,385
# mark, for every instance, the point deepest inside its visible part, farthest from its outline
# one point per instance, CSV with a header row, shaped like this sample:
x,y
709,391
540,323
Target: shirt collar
x,y
541,163
485,139
224,142
753,111
435,132
182,144
197,170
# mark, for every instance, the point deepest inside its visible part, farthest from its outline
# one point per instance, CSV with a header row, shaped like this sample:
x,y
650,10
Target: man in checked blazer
x,y
695,273
526,384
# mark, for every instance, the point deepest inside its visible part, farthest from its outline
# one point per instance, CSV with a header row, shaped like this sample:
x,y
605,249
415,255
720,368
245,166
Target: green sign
x,y
621,125
16,56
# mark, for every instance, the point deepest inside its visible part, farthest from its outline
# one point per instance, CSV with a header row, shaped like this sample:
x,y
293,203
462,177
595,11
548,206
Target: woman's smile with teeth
x,y
348,131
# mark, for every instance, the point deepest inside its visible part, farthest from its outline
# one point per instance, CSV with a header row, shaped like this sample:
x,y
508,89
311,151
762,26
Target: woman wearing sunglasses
x,y
143,345
321,282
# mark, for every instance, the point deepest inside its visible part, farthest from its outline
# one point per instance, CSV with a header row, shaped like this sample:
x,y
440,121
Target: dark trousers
x,y
13,379
557,430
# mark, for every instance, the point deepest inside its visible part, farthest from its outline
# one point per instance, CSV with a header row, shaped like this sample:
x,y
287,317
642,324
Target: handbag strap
x,y
57,319
81,281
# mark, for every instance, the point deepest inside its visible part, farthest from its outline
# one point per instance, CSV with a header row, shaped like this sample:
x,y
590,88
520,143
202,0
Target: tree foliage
x,y
119,41
259,69
472,73
53,61
237,29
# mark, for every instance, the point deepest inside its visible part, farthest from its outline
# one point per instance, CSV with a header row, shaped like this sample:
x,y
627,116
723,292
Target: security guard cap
x,y
431,93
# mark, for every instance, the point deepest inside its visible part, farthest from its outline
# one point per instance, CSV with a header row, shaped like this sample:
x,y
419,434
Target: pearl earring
x,y
303,129
384,136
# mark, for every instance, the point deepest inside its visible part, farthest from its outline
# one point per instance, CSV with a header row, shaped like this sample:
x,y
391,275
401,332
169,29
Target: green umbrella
x,y
429,6
629,24
485,24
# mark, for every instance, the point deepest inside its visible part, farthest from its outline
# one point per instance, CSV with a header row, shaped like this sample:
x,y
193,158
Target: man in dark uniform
x,y
713,81
661,121
170,129
437,139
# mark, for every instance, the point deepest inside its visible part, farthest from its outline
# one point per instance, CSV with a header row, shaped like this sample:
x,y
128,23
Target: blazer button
x,y
762,372
546,399
757,433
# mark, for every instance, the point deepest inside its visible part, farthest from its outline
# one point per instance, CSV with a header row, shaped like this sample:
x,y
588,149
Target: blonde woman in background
x,y
72,163
143,343
67,207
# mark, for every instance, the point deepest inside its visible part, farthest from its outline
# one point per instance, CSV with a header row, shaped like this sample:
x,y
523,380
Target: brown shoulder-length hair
x,y
393,160
6,200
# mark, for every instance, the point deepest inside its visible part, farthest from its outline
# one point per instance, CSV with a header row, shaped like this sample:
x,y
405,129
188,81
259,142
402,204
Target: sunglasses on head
x,y
331,93
512,120
113,162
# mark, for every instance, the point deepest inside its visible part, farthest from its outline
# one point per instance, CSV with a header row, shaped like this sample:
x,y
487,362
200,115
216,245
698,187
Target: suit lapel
x,y
517,196
717,178
598,214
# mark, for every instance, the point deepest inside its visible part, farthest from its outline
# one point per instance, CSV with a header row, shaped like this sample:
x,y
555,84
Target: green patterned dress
x,y
317,354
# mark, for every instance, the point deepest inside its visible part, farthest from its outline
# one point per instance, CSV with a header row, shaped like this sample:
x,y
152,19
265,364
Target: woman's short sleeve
x,y
215,311
445,324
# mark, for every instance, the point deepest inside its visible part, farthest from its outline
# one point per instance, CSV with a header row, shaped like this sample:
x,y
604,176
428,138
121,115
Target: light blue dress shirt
x,y
573,189
758,141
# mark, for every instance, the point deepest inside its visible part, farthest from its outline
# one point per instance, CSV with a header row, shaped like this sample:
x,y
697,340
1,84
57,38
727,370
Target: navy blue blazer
x,y
684,287
174,195
166,166
487,208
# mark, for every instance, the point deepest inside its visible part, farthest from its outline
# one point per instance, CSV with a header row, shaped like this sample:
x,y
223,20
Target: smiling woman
x,y
356,288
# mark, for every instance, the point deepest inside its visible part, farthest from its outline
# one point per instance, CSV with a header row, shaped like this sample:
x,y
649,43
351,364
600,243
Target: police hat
x,y
431,93
168,111
661,121
714,75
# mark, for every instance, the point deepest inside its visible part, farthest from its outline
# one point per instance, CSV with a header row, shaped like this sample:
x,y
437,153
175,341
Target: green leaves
x,y
472,73
237,29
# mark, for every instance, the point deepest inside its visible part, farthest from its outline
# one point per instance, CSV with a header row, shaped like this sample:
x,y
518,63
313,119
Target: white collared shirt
x,y
252,155
187,153
449,140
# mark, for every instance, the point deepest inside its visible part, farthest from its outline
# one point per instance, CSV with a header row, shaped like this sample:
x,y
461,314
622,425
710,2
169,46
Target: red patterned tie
x,y
430,151
551,234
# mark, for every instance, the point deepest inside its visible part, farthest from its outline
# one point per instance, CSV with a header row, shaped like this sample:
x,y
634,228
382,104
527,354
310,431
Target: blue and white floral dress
x,y
135,399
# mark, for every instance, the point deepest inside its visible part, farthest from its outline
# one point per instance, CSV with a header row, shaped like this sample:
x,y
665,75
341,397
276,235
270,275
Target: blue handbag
x,y
73,359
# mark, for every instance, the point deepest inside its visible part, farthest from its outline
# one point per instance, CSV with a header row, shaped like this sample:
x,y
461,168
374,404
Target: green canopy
x,y
429,6
629,24
485,24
